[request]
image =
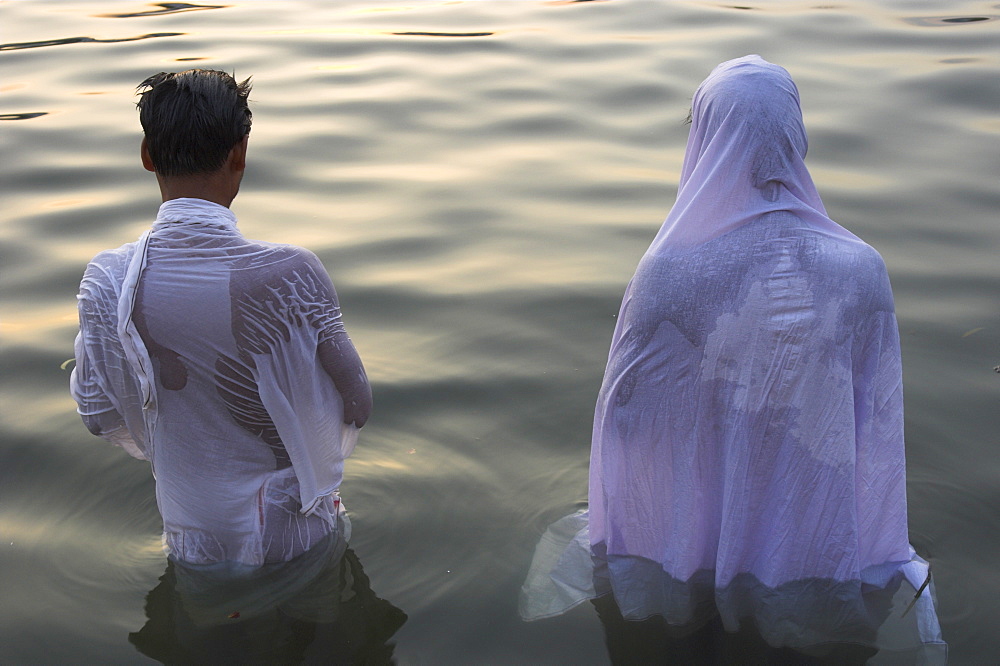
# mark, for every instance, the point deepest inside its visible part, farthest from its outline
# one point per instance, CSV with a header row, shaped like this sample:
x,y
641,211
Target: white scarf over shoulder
x,y
198,351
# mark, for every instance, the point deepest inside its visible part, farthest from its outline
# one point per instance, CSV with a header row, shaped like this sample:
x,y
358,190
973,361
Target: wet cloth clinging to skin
x,y
198,351
747,455
751,414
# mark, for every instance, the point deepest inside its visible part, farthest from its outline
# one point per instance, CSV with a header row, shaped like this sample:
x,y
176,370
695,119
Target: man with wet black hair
x,y
192,122
182,143
222,361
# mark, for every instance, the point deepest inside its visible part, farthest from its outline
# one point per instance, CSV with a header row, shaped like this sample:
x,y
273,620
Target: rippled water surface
x,y
480,179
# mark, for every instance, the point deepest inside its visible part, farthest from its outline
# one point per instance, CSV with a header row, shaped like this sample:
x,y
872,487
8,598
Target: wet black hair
x,y
192,119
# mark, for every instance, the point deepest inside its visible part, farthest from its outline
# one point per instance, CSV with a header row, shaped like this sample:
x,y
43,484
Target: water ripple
x,y
16,46
444,34
945,21
22,116
165,8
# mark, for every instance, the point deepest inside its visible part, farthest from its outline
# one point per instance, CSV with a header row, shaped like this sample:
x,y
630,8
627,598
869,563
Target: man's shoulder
x,y
283,256
110,263
280,265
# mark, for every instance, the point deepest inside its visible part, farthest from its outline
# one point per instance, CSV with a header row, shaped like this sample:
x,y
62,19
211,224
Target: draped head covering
x,y
744,158
747,454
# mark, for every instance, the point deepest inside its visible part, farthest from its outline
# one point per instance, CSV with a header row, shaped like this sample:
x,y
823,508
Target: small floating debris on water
x,y
973,331
996,369
234,615
412,451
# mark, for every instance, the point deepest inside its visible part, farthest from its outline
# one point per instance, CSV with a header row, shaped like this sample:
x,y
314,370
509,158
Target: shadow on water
x,y
17,46
317,608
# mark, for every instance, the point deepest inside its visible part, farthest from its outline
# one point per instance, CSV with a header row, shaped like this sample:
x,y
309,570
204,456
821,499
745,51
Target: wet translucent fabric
x,y
199,350
747,449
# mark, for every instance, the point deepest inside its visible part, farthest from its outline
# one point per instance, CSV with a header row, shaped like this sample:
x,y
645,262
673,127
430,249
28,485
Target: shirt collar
x,y
195,211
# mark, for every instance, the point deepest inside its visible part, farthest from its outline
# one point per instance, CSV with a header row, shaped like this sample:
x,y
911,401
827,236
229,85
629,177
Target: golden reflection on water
x,y
32,323
335,67
853,180
415,172
285,32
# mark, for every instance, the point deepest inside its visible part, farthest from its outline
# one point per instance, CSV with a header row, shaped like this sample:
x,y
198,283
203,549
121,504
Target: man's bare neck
x,y
210,187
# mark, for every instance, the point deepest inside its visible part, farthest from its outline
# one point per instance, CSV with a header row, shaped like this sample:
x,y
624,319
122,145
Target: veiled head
x,y
745,157
754,104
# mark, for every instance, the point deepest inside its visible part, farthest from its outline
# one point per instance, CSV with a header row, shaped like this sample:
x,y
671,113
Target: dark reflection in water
x,y
942,21
443,34
317,608
653,641
651,617
22,116
813,621
16,46
165,8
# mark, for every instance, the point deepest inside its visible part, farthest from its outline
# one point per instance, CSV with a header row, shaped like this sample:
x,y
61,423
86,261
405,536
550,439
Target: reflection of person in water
x,y
317,608
654,641
747,456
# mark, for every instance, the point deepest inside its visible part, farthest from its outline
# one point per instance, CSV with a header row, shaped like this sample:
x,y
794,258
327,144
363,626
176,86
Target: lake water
x,y
480,179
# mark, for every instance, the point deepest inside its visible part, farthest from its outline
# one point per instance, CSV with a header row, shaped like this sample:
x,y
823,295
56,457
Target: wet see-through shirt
x,y
224,362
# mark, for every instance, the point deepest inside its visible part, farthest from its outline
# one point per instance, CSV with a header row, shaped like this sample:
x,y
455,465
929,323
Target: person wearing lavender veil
x,y
747,461
222,361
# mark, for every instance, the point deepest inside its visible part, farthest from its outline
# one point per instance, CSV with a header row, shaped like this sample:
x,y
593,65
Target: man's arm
x,y
94,406
341,362
337,355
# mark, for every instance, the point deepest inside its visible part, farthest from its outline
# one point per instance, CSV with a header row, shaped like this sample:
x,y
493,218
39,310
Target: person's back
x,y
735,371
223,361
747,455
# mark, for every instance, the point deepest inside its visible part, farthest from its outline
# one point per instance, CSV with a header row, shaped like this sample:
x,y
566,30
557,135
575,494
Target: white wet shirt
x,y
199,350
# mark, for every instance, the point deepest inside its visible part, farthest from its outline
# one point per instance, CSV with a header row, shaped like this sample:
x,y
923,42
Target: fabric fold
x,y
207,347
747,455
